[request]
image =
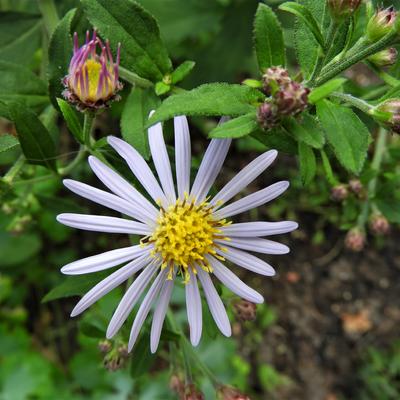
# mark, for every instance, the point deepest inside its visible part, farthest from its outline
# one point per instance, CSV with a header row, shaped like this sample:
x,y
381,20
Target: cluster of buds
x,y
388,112
355,239
115,357
230,393
245,310
384,58
341,9
288,98
379,225
92,80
381,23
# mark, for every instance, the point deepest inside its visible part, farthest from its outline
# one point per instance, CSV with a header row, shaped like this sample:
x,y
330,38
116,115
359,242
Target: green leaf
x,y
127,22
276,138
19,36
346,133
268,38
4,110
134,117
390,208
36,141
306,16
73,120
20,84
308,164
60,54
210,99
182,71
237,127
8,142
328,169
142,358
325,90
306,130
162,88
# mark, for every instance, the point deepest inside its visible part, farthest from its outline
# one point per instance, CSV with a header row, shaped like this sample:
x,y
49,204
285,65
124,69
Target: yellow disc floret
x,y
185,234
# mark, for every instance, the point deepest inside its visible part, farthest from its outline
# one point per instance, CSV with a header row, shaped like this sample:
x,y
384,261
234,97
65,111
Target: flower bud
x,y
92,80
379,225
176,385
355,240
341,9
381,23
356,186
245,310
391,107
384,58
292,99
230,393
275,78
105,346
192,393
339,193
116,358
266,115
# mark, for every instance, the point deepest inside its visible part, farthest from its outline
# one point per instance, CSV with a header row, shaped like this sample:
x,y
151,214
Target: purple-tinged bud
x,y
267,115
384,58
355,240
105,346
230,393
192,393
379,225
381,23
292,99
176,385
356,186
391,108
339,193
116,358
275,78
341,9
92,80
245,310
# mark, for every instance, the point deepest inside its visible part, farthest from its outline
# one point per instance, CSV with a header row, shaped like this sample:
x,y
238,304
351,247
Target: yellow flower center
x,y
185,234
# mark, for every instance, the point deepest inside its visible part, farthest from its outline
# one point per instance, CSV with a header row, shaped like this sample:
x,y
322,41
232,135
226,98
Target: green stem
x,y
388,79
14,170
134,79
354,101
50,15
79,157
87,128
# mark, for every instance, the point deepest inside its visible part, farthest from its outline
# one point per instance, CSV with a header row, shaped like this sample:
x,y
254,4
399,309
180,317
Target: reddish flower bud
x,y
356,186
341,9
292,99
266,115
105,346
339,193
355,240
384,58
275,78
92,80
230,393
176,384
392,108
381,23
192,393
379,225
245,310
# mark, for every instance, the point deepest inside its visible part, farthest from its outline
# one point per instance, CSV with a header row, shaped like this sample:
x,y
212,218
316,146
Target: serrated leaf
x,y
18,83
237,127
36,142
308,164
268,38
211,100
8,142
306,129
72,119
182,71
325,90
346,133
60,54
134,117
125,21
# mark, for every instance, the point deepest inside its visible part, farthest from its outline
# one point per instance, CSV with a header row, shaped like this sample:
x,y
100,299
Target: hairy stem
x,y
354,101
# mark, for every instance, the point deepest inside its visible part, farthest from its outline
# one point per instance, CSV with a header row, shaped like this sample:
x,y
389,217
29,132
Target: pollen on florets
x,y
185,235
92,80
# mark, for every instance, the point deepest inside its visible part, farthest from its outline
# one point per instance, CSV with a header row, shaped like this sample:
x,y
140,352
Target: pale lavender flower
x,y
184,232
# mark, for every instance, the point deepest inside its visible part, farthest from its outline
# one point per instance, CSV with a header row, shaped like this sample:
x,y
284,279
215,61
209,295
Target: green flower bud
x,y
384,58
388,112
381,23
341,9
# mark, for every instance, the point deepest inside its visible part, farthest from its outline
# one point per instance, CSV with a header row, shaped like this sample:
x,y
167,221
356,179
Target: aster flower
x,y
92,80
184,232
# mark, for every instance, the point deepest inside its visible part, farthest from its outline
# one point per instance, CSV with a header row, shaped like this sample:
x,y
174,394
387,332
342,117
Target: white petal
x,y
214,302
193,308
232,282
109,283
105,260
182,155
256,244
209,168
248,261
161,161
123,188
129,300
99,223
104,198
159,314
140,168
245,176
145,307
259,228
253,200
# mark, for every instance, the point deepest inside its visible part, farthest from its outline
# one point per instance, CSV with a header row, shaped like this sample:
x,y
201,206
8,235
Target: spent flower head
x,y
381,23
92,81
267,115
275,78
231,393
292,99
245,310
